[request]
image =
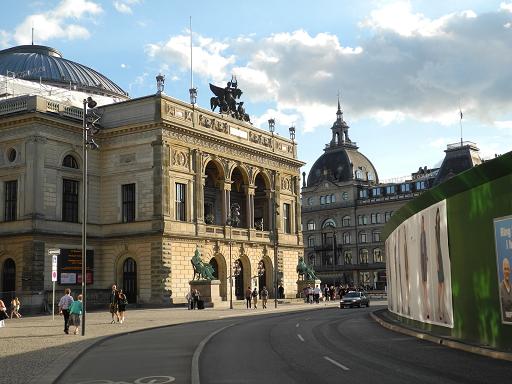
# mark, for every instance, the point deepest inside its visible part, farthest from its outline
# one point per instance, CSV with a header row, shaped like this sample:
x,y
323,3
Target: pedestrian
x,y
75,311
122,302
327,295
254,295
195,298
188,296
3,314
316,294
280,290
64,305
309,291
15,308
264,297
114,304
248,293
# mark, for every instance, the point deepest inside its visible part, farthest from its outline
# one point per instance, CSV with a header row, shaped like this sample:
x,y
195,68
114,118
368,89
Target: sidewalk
x,y
36,349
384,318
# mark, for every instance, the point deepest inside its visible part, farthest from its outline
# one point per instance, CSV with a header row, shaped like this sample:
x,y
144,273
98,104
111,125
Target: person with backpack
x,y
264,297
122,302
254,295
75,311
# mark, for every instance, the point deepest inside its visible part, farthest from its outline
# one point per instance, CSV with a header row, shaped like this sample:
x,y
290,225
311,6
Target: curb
x,y
443,341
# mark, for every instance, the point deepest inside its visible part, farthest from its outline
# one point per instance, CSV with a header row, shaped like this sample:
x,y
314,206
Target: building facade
x,y
345,207
162,183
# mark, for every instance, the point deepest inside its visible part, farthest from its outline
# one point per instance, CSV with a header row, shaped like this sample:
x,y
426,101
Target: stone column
x,y
199,186
249,192
34,160
226,199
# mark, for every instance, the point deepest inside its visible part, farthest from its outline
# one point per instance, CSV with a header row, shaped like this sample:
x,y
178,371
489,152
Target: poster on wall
x,y
419,268
503,238
70,266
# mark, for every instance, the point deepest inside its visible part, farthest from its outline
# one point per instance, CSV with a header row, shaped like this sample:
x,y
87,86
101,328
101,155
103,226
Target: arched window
x,y
377,255
70,162
359,175
329,223
363,256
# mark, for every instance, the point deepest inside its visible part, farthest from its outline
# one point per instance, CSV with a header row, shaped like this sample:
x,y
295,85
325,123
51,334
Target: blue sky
x,y
402,68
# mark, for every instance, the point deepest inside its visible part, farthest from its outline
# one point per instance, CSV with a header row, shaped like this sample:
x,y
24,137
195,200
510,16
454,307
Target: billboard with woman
x,y
419,268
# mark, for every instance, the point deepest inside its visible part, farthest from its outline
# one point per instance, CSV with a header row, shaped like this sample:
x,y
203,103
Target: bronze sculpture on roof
x,y
227,100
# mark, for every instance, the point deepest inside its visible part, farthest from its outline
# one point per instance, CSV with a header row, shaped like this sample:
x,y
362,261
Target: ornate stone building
x,y
344,209
161,184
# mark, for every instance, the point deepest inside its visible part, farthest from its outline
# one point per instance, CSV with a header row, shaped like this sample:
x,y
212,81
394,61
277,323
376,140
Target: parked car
x,y
355,299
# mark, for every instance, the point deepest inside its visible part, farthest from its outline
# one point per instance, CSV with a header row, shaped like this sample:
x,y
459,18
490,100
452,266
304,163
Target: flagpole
x,y
460,122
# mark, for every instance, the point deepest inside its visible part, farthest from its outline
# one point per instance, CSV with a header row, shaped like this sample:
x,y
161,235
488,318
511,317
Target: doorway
x,y
130,280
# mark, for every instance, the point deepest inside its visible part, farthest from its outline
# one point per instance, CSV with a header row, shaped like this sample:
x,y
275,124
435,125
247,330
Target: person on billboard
x,y
441,308
506,292
424,268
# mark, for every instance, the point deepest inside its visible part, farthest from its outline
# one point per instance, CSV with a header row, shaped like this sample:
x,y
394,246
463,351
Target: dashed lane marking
x,y
300,337
336,363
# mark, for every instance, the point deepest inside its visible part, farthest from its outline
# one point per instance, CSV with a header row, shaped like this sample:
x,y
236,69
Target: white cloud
x,y
419,69
124,66
54,23
125,6
506,7
504,124
4,39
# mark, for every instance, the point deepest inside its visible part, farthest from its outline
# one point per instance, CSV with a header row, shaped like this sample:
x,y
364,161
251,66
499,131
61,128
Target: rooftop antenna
x,y
32,35
192,91
460,122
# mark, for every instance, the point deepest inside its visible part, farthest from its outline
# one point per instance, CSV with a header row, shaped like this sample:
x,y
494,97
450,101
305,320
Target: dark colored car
x,y
355,299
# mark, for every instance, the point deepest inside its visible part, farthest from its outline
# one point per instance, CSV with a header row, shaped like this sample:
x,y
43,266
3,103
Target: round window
x,y
11,155
344,196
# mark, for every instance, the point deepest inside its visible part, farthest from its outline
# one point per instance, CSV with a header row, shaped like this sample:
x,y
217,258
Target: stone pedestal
x,y
301,284
208,291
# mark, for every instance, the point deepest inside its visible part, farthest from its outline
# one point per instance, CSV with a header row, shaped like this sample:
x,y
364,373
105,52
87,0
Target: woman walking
x,y
3,314
15,308
122,301
75,311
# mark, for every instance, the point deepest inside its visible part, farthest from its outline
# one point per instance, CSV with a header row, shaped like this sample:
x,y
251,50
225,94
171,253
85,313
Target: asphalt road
x,y
321,346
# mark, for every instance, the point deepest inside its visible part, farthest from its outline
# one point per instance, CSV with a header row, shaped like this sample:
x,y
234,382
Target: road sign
x,y
54,267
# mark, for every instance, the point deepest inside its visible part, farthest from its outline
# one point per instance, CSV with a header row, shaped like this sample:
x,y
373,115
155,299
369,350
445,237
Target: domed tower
x,y
341,161
39,63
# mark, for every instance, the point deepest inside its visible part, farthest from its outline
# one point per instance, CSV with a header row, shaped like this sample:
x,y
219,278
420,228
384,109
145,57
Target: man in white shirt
x,y
64,304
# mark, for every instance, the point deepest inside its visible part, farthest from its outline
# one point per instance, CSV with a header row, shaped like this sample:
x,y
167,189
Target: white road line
x,y
197,353
297,325
336,363
300,337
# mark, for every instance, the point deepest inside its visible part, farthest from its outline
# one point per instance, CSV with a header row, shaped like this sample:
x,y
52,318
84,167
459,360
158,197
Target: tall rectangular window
x,y
181,201
70,200
128,192
286,218
11,200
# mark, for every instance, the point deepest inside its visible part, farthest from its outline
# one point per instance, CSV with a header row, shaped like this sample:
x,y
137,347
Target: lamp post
x,y
232,219
271,125
292,132
88,130
274,235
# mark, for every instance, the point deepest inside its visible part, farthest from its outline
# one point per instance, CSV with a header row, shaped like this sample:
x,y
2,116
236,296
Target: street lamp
x,y
292,132
271,125
232,219
88,131
275,212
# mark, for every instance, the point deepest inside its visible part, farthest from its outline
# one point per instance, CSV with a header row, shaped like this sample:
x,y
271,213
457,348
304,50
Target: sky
x,y
403,70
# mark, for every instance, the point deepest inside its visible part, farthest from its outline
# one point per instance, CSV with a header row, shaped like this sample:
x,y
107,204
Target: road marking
x,y
336,363
297,325
300,337
197,353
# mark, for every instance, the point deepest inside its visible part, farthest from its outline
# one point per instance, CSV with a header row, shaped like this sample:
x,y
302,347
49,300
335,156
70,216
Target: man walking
x,y
64,304
248,293
114,302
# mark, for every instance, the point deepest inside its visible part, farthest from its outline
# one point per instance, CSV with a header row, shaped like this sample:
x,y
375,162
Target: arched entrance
x,y
262,275
9,276
130,280
239,281
262,221
215,267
